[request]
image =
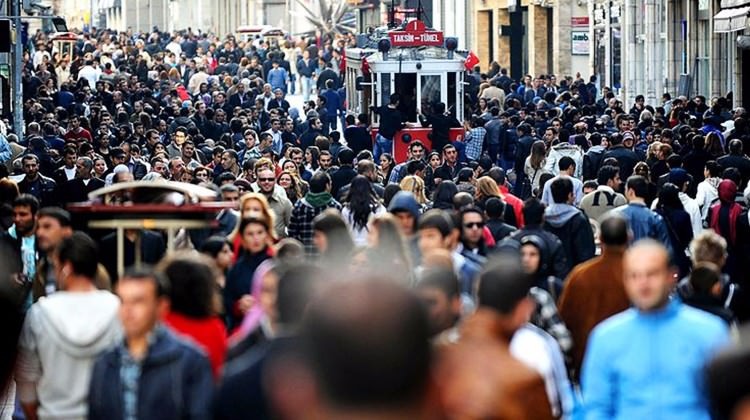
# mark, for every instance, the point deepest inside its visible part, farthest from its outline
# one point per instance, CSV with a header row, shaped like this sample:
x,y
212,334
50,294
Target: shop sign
x,y
580,44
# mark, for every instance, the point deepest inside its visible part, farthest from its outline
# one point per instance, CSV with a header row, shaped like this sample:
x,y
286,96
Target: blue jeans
x,y
306,87
292,83
382,145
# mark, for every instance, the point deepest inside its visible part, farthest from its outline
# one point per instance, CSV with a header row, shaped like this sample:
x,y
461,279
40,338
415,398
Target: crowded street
x,y
367,212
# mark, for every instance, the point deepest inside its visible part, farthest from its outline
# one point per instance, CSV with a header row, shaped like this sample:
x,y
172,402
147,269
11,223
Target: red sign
x,y
415,34
579,21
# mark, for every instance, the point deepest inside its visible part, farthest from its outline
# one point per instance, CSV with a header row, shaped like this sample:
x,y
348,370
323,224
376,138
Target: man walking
x,y
63,334
152,373
647,361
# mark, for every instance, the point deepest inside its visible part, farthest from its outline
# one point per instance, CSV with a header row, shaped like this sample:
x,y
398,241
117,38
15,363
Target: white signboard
x,y
580,44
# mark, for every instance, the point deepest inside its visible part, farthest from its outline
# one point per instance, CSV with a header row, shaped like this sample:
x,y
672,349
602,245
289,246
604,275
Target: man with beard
x,y
42,188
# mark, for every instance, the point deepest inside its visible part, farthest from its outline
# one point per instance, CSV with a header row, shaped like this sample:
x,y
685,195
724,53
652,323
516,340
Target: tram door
x,y
406,86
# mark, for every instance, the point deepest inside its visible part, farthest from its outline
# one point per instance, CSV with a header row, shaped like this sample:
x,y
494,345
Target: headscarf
x,y
255,315
724,214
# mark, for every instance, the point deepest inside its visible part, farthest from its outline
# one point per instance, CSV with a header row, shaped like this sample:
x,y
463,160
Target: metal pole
x,y
18,126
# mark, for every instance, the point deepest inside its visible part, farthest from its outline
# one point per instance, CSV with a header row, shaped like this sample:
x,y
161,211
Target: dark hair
x,y
669,197
638,184
606,173
147,274
561,188
390,191
27,200
81,252
213,245
297,283
436,219
364,360
346,156
714,169
62,216
190,284
332,224
503,285
704,276
565,162
495,208
442,198
462,199
614,230
439,278
362,201
533,211
319,181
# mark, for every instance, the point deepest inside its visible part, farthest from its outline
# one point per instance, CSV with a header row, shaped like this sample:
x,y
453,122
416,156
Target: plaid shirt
x,y
547,318
301,225
474,142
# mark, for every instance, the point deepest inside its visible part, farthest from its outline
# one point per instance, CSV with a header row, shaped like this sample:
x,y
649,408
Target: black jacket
x,y
557,260
577,240
441,125
358,139
625,157
75,191
742,163
343,176
242,394
47,193
175,382
499,229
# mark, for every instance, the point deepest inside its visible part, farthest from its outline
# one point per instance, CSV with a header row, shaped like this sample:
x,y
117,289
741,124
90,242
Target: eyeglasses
x,y
266,179
474,225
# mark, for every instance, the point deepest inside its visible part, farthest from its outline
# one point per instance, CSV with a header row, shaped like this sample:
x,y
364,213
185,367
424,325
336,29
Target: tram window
x,y
430,93
385,87
406,87
452,94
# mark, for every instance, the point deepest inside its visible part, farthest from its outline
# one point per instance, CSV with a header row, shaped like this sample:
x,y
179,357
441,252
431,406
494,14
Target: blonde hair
x,y
414,185
266,211
708,246
487,187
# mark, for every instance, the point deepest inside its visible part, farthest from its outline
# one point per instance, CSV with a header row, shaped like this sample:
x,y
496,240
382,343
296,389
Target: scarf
x,y
724,215
318,199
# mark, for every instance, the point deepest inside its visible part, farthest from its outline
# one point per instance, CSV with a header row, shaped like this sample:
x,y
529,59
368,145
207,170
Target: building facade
x,y
532,36
682,47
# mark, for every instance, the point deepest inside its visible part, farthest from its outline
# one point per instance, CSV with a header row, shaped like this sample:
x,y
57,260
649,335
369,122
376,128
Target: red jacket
x,y
209,334
514,202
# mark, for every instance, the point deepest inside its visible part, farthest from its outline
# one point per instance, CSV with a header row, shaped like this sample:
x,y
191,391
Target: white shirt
x,y
706,195
70,173
91,74
539,351
692,209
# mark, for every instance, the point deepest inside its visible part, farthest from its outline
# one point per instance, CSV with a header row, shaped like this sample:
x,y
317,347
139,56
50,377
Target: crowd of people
x,y
567,257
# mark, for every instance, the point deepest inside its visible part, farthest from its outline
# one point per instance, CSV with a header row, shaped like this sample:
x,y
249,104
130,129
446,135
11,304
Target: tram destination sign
x,y
415,34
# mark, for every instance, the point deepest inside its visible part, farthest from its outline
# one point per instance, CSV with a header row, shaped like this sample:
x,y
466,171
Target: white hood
x,y
81,322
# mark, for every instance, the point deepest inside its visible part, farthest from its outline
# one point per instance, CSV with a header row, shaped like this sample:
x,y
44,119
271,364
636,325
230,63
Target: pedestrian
x,y
150,373
624,348
63,334
593,290
509,388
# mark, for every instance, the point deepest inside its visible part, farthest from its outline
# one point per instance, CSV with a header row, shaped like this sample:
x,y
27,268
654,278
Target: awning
x,y
731,20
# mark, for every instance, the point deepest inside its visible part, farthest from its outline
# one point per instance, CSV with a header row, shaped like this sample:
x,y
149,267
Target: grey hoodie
x,y
61,338
559,214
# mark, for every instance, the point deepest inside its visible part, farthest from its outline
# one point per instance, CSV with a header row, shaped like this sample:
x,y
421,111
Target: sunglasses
x,y
266,179
472,225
